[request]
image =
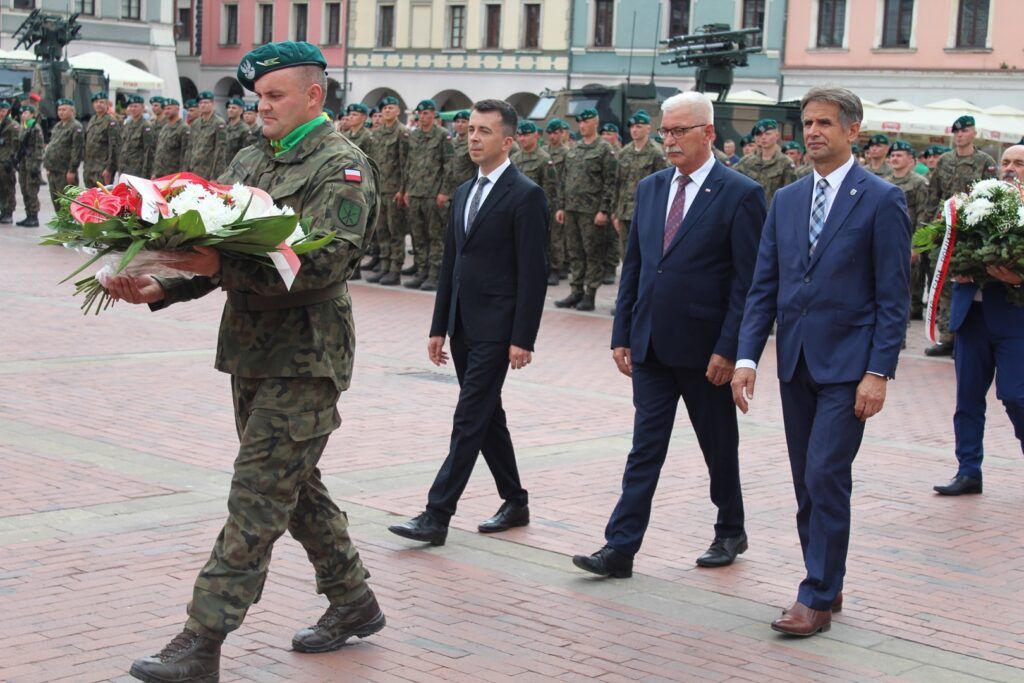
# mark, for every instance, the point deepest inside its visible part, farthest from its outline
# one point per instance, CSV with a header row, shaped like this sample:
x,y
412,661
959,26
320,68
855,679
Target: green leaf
x,y
130,253
308,245
88,263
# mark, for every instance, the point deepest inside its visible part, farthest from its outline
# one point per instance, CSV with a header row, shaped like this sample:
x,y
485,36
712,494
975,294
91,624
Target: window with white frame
x,y
831,23
531,26
457,27
229,25
386,26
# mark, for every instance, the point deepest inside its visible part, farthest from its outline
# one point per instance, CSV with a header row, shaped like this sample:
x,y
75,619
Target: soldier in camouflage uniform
x,y
876,151
30,168
768,166
390,148
250,117
290,355
556,135
9,136
637,160
172,144
586,195
191,111
207,140
156,116
65,151
536,165
426,170
102,142
902,159
955,172
138,142
462,168
796,152
356,130
748,145
610,134
236,132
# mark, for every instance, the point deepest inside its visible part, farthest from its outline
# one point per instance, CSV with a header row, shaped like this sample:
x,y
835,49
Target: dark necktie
x,y
675,212
474,206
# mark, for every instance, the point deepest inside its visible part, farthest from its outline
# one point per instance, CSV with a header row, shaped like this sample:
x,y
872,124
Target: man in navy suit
x,y
833,269
689,260
490,296
989,341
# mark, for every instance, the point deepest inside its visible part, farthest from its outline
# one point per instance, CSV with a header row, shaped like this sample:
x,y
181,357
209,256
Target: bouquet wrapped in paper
x,y
136,226
980,229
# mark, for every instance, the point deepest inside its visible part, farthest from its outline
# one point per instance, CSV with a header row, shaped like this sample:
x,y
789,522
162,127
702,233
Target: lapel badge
x,y
853,192
707,189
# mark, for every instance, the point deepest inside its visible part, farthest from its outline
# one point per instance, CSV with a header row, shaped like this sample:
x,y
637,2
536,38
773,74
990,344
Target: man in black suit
x,y
689,262
489,301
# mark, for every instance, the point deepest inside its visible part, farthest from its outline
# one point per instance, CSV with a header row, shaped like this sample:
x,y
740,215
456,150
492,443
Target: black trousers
x,y
478,426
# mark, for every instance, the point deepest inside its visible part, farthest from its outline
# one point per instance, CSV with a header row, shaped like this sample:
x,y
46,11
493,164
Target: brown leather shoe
x,y
360,618
803,621
190,658
837,604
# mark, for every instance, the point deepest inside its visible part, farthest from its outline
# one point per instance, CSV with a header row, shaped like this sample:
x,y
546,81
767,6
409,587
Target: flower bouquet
x,y
982,228
136,226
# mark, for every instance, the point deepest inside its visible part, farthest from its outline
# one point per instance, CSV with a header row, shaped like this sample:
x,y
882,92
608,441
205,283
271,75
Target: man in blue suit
x,y
989,342
834,270
689,260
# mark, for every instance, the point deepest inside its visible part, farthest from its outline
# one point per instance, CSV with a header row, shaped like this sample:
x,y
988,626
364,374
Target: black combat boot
x,y
570,301
390,279
587,302
189,658
361,618
372,262
31,220
415,283
6,218
410,270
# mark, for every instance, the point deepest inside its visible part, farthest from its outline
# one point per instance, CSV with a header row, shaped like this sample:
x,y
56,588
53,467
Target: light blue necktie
x,y
817,214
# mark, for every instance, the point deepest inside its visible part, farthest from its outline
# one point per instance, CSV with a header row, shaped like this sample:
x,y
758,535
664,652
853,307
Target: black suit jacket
x,y
494,277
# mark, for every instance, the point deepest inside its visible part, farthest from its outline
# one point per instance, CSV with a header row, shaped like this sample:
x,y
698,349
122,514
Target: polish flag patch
x,y
353,175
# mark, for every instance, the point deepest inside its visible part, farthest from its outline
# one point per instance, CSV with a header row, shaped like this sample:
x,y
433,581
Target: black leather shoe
x,y
361,618
606,562
189,657
30,221
429,285
508,515
723,551
423,527
959,485
570,301
939,350
6,218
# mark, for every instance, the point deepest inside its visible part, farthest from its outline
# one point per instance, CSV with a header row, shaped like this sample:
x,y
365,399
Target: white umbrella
x,y
122,75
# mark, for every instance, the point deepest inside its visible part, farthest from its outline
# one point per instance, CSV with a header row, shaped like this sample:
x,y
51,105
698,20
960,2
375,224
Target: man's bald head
x,y
1012,163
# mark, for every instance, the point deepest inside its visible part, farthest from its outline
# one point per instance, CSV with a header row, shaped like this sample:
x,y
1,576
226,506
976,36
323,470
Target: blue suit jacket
x,y
687,302
846,307
1002,317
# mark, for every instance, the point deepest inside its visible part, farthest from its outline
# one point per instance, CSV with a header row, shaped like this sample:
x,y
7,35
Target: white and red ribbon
x,y
941,270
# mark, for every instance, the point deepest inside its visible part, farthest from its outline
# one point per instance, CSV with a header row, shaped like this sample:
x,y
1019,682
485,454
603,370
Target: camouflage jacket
x,y
557,155
66,148
803,169
235,138
538,167
206,142
9,137
954,174
634,166
588,184
390,149
31,140
773,174
462,168
884,171
915,188
255,134
102,142
138,143
325,178
426,167
171,149
360,138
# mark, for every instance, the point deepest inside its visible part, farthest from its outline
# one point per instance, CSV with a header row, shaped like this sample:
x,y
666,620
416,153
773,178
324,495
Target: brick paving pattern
x,y
116,444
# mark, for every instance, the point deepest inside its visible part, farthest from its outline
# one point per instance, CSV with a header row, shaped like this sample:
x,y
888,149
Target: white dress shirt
x,y
697,179
834,180
493,178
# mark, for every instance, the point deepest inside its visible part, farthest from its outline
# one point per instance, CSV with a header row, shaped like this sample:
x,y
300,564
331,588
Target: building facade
x,y
918,51
140,32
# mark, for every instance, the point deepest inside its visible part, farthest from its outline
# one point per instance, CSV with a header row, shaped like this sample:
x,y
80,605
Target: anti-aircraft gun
x,y
716,51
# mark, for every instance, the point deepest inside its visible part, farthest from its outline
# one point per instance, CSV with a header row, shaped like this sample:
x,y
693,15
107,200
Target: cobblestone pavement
x,y
116,444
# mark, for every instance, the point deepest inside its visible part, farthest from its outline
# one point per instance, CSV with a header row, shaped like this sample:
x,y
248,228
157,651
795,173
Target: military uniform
x,y
558,253
884,171
63,156
30,169
588,186
138,143
461,169
9,137
171,149
390,149
915,189
775,173
634,166
426,169
102,142
538,167
802,170
236,138
361,139
207,140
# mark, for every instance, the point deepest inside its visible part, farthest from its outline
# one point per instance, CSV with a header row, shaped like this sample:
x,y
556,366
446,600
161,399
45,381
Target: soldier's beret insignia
x,y
349,212
274,56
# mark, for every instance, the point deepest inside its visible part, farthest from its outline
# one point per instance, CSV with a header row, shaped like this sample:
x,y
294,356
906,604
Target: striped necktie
x,y
817,214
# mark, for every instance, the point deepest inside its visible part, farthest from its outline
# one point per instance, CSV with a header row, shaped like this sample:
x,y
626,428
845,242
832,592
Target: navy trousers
x,y
979,354
823,435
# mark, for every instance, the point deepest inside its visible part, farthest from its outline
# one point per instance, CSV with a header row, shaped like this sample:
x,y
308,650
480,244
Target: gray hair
x,y
695,101
850,108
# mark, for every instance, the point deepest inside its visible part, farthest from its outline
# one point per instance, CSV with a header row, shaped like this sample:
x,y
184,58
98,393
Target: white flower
x,y
1020,216
984,188
977,209
296,235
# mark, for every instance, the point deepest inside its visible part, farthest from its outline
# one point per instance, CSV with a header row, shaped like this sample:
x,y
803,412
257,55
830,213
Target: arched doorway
x,y
335,97
137,64
373,98
189,91
228,87
452,100
523,102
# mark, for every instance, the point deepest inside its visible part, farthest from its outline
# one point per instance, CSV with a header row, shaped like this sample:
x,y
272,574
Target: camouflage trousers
x,y
613,252
8,201
557,256
390,234
427,232
942,316
30,181
588,245
623,237
57,181
283,425
93,175
918,282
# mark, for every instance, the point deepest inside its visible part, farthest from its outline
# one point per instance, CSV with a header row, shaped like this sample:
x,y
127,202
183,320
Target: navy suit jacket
x,y
494,277
686,302
1002,317
846,307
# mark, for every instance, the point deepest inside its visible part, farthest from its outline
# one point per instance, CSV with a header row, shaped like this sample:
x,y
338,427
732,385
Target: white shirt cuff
x,y
746,363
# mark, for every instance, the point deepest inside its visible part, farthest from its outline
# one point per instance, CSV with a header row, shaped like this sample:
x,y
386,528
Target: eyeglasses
x,y
679,131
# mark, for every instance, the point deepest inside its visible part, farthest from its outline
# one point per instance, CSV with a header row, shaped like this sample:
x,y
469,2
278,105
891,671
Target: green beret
x,y
156,99
136,99
385,101
101,95
29,108
855,148
746,140
251,107
764,125
639,117
555,124
426,104
374,110
205,95
461,115
4,104
903,146
329,112
237,101
170,102
587,114
527,127
357,107
274,56
963,122
191,103
65,102
657,138
575,136
609,128
878,139
793,144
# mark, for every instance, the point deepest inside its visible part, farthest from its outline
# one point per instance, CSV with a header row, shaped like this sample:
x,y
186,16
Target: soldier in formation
x,y
390,144
536,164
426,170
462,167
207,140
138,142
236,132
586,198
65,151
102,143
637,160
156,113
172,144
556,133
610,134
768,166
250,117
902,159
30,164
9,137
796,152
192,111
876,151
748,146
356,130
